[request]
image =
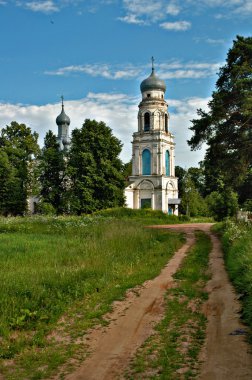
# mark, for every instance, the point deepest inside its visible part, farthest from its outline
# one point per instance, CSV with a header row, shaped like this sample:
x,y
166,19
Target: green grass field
x,y
237,244
62,274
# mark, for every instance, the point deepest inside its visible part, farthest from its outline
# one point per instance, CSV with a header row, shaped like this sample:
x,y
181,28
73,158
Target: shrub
x,y
46,208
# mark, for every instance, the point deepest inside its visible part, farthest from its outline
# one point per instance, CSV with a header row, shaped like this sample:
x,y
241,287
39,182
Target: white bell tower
x,y
153,183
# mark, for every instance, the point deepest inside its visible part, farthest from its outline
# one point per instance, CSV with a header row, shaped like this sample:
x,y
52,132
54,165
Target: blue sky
x,y
96,53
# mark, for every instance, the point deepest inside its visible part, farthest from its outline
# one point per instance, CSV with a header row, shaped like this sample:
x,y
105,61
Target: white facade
x,y
153,183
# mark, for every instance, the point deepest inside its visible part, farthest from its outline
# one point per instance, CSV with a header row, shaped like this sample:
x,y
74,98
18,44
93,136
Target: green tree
x,y
245,189
191,188
180,173
52,167
197,175
20,145
227,126
127,172
192,203
9,186
247,206
95,169
222,203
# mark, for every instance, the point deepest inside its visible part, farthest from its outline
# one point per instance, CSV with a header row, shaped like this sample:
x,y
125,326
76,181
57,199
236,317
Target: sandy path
x,y
131,325
225,355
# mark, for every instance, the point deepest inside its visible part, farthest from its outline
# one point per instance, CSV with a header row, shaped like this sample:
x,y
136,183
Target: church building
x,y
153,183
63,122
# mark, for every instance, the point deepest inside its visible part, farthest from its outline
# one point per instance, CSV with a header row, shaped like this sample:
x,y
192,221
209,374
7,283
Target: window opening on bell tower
x,y
146,162
167,163
146,122
166,123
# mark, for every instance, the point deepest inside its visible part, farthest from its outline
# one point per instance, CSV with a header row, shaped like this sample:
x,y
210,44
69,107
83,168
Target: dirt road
x,y
132,323
225,354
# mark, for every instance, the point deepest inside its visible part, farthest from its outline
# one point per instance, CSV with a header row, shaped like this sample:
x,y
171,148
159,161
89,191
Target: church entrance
x,y
146,203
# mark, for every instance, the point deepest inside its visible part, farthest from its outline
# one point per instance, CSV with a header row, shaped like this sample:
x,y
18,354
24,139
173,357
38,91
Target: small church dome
x,y
62,118
153,82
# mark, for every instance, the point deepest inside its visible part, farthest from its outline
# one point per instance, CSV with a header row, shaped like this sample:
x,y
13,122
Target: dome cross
x,y
62,101
152,63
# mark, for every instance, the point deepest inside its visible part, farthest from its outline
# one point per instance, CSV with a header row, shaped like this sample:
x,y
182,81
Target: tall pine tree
x,y
227,127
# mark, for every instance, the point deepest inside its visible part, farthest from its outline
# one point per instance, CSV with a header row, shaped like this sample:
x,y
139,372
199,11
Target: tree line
x,y
226,170
89,177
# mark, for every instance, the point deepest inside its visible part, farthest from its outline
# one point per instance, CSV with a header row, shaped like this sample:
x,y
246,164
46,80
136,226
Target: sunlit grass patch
x,y
61,275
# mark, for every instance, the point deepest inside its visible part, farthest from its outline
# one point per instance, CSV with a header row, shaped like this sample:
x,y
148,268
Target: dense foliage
x,y
227,126
18,150
95,170
191,190
52,168
89,177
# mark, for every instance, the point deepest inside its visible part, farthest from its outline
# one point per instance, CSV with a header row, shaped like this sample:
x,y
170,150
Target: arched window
x,y
146,162
167,163
166,123
146,121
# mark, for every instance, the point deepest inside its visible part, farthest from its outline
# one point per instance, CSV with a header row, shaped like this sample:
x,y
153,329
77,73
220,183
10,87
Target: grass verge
x,y
59,276
237,245
172,352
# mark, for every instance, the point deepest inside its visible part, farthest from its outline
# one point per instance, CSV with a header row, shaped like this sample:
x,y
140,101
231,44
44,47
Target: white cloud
x,y
176,26
173,9
118,111
167,70
226,8
98,70
192,70
245,8
152,9
144,11
182,111
214,41
47,6
147,12
210,41
131,19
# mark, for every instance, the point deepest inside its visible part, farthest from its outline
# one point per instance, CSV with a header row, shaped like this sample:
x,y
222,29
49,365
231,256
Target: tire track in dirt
x,y
225,355
132,322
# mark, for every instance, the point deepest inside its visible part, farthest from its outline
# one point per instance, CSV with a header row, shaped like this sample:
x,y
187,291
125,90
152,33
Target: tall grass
x,y
237,244
52,267
149,216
